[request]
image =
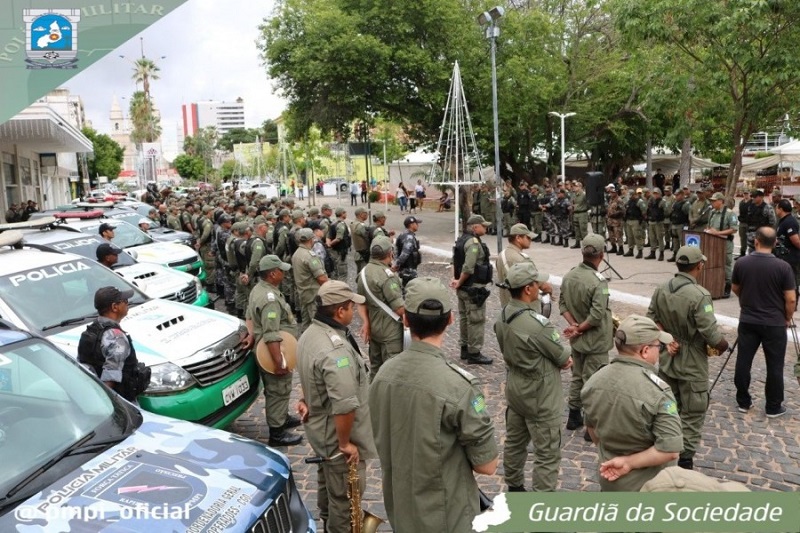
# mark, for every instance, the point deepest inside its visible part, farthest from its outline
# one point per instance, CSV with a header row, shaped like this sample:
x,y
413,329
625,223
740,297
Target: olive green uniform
x,y
333,375
698,214
307,268
420,397
580,216
488,206
282,251
205,238
270,315
508,258
684,309
173,222
533,355
340,255
584,293
634,227
669,202
631,409
359,231
385,331
471,317
257,251
721,220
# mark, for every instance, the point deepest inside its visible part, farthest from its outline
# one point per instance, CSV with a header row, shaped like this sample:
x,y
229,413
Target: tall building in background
x,y
225,116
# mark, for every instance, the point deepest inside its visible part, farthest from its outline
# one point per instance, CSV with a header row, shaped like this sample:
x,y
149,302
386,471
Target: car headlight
x,y
198,286
169,377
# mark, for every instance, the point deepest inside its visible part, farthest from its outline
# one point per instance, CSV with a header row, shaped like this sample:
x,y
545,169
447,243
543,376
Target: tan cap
x,y
677,479
593,243
521,229
325,206
423,289
689,255
360,210
304,234
637,329
380,245
378,214
313,211
270,262
297,214
335,292
340,211
524,273
639,191
477,219
717,196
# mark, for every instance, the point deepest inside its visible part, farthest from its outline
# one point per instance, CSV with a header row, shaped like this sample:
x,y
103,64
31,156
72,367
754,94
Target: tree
x,y
227,141
190,167
227,169
269,131
106,159
145,70
741,51
146,127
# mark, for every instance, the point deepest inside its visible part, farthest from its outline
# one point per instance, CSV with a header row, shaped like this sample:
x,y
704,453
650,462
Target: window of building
x,y
9,174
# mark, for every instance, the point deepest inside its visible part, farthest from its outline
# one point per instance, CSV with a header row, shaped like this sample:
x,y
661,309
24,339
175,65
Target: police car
x,y
155,280
201,370
137,243
76,457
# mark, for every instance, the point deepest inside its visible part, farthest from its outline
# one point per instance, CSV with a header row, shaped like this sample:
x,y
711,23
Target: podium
x,y
714,248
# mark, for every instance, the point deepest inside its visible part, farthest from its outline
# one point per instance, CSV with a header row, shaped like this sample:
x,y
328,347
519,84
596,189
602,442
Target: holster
x,y
478,295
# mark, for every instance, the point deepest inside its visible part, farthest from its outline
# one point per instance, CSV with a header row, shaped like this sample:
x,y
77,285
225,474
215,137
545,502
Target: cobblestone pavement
x,y
749,448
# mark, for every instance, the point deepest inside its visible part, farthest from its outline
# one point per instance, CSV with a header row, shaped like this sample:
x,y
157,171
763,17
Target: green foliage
x,y
190,167
146,127
107,157
235,136
227,169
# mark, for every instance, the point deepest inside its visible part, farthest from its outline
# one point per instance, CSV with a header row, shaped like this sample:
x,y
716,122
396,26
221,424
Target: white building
x,y
225,116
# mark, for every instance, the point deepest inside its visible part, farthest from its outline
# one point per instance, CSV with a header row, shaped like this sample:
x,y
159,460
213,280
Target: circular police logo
x,y
692,240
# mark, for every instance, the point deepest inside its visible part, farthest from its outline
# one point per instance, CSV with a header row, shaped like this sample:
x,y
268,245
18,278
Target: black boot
x,y
576,245
566,243
613,249
478,359
620,251
629,253
586,436
546,239
727,291
575,419
639,254
661,256
651,256
464,352
291,422
282,437
671,259
512,488
686,463
538,238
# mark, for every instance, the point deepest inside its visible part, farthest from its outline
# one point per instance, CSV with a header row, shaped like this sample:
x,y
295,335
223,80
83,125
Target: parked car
x,y
201,370
77,457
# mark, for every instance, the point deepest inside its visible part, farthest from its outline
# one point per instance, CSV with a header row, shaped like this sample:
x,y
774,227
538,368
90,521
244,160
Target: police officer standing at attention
x,y
524,204
472,272
205,227
108,350
679,218
656,213
309,274
267,315
360,244
631,413
583,302
334,407
683,309
428,486
635,210
519,240
407,256
338,240
760,214
723,223
744,210
384,295
534,358
580,215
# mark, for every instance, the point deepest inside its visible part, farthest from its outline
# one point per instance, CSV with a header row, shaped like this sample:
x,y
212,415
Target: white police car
x,y
76,457
201,370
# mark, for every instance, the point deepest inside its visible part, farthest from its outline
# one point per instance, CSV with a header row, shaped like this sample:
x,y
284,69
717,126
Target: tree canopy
x,y
107,157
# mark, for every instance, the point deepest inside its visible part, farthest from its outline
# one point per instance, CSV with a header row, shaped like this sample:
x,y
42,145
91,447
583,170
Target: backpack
x,y
135,375
344,244
458,254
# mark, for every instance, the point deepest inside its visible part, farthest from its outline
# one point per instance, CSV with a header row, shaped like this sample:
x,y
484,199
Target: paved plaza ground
x,y
762,453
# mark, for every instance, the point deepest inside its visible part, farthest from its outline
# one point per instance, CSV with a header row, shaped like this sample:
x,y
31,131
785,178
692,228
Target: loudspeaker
x,y
595,188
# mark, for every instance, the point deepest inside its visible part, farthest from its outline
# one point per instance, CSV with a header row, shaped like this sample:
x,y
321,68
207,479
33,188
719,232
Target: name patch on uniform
x,y
272,314
708,308
670,407
343,362
479,404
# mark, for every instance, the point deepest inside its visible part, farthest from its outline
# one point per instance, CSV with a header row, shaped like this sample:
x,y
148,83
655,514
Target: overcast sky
x,y
210,55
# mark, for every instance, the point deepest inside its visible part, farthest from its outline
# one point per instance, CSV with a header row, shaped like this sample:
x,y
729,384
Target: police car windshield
x,y
49,404
125,234
87,247
47,296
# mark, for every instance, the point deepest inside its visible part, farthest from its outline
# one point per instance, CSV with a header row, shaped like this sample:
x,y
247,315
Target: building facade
x,y
224,116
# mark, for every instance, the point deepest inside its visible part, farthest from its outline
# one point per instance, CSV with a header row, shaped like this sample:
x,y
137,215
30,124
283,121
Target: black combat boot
x,y
629,253
464,352
661,255
282,437
586,436
546,239
620,251
651,256
613,249
566,243
727,292
686,463
639,254
512,488
291,422
576,245
671,259
575,419
478,359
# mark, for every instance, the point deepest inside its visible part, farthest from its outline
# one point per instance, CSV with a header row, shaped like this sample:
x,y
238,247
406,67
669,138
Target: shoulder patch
x,y
660,383
526,256
336,339
670,407
554,336
479,403
708,308
272,314
271,297
342,362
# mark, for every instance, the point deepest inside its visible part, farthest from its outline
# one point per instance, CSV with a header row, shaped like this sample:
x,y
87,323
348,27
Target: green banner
x,y
730,512
44,43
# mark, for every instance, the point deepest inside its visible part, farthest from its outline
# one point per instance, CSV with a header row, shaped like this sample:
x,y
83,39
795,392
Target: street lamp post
x,y
562,116
492,33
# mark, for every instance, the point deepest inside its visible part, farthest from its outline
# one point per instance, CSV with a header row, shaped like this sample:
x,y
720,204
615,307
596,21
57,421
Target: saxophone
x,y
361,521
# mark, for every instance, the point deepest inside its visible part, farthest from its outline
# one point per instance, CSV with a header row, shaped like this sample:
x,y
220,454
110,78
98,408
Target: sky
x,y
210,55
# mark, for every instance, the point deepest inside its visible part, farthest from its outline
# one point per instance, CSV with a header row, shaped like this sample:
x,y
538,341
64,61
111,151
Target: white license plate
x,y
236,389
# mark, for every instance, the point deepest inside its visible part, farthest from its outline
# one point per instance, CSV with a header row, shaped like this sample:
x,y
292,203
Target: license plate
x,y
236,389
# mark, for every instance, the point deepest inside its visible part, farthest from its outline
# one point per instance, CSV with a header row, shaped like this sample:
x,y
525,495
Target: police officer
x,y
669,201
580,215
631,413
221,238
379,227
256,248
384,296
723,223
173,220
536,213
242,248
472,272
360,244
407,255
584,304
428,486
524,204
744,209
679,218
656,214
614,219
338,240
760,214
546,202
519,240
335,407
534,358
488,203
309,274
205,237
561,211
267,315
699,212
635,211
683,308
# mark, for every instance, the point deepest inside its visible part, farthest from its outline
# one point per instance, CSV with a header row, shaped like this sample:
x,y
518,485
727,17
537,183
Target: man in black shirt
x,y
766,288
788,244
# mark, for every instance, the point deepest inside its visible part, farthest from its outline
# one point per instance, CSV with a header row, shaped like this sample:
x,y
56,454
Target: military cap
x,y
521,229
289,200
106,296
677,479
380,246
270,262
237,226
325,206
260,219
106,249
758,192
689,255
270,215
223,218
274,200
335,292
637,329
593,243
656,190
477,219
284,213
360,210
422,289
340,211
105,226
717,196
639,190
523,274
297,214
313,211
304,234
377,214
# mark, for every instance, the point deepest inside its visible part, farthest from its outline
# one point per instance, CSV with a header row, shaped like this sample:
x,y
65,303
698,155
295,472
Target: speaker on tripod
x,y
595,188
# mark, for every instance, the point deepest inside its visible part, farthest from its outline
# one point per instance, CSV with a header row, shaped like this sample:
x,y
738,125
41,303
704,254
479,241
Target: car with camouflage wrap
x,y
201,369
77,457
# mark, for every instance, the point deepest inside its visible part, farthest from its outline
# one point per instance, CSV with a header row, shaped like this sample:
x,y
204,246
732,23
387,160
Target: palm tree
x,y
143,71
145,125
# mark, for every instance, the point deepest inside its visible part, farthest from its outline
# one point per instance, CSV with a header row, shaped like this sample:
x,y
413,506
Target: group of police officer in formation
x,y
273,262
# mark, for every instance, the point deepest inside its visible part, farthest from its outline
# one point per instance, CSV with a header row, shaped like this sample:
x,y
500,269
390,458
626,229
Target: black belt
x,y
578,212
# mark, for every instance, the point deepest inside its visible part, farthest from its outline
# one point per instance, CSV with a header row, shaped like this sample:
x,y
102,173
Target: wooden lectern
x,y
714,248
